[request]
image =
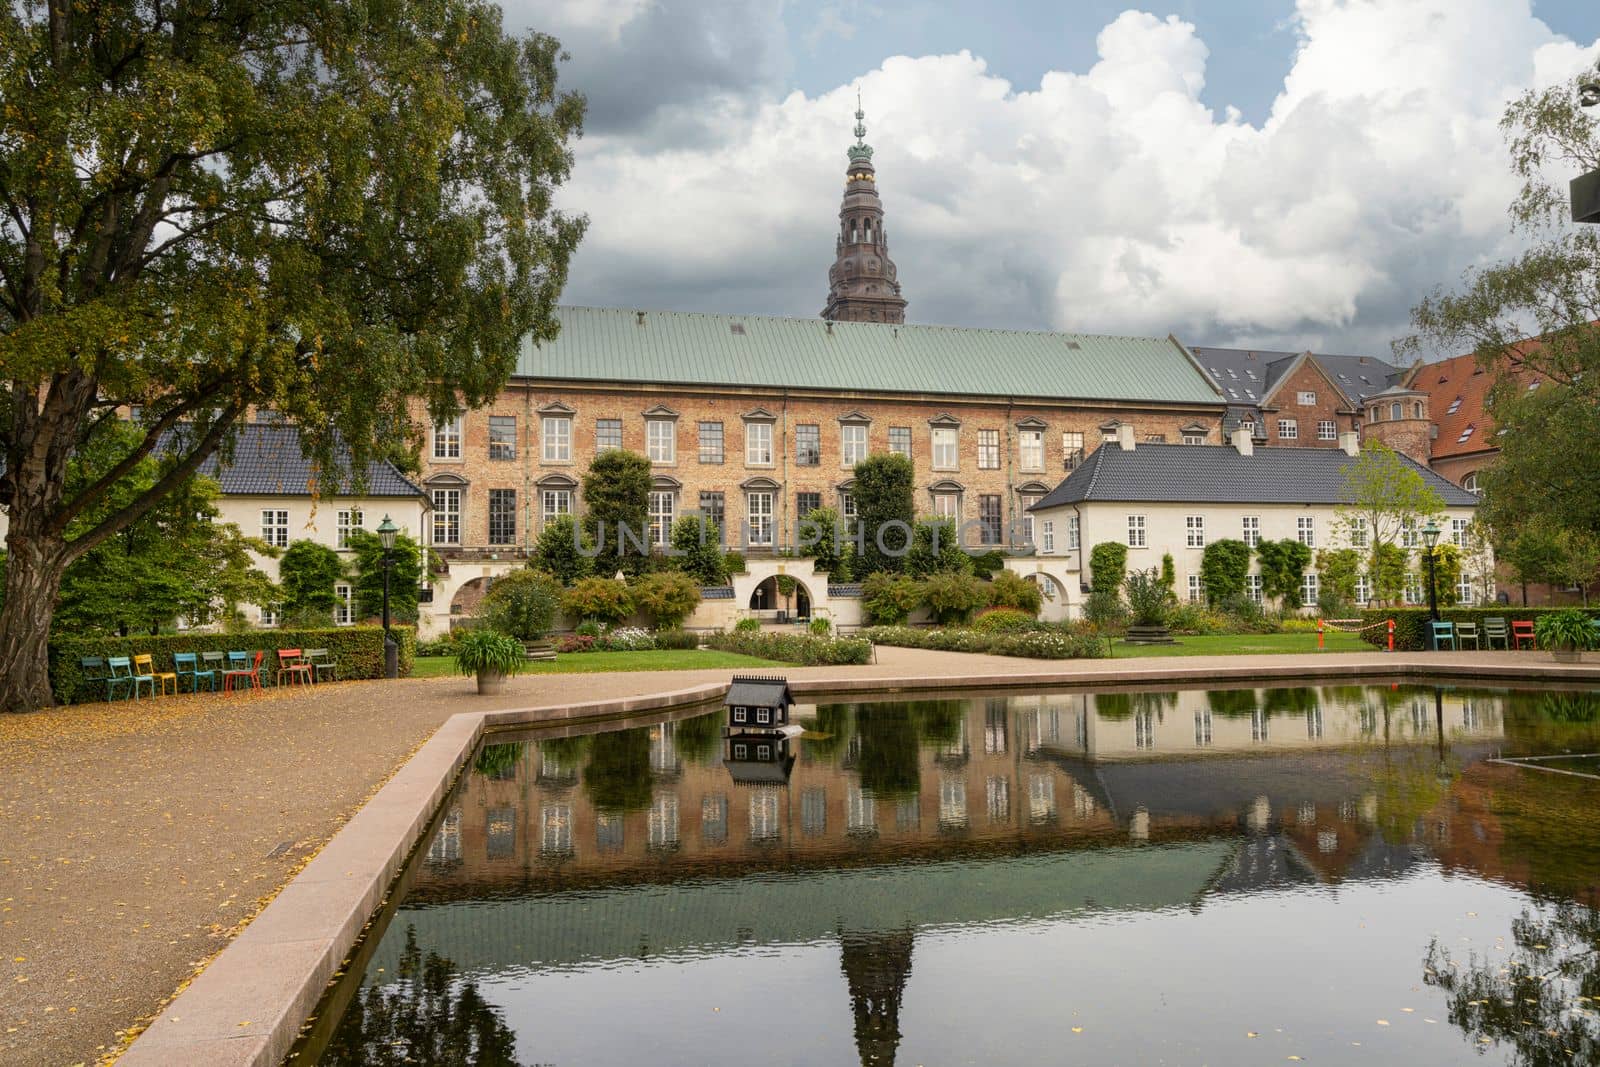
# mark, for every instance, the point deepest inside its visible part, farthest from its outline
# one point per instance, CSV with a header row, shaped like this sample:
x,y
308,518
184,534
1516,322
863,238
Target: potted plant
x,y
523,604
1566,633
491,656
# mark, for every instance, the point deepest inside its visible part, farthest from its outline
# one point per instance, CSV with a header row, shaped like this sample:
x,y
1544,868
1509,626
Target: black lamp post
x,y
391,651
1430,537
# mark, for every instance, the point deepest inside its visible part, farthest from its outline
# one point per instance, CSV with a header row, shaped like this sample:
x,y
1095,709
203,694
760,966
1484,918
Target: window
x,y
759,510
713,508
814,811
714,819
1306,398
807,444
860,811
555,434
1455,406
1412,594
1465,434
806,503
944,448
275,528
1252,530
1155,438
1358,532
997,797
553,503
853,443
607,434
1194,438
1395,411
1252,587
447,439
1197,589
1464,591
1410,537
1327,430
1195,531
1308,588
1072,533
1416,405
502,516
764,716
269,617
1306,530
1248,426
847,509
663,502
988,450
349,521
1458,532
1072,448
1288,430
661,440
1030,450
1048,532
503,437
1135,531
710,442
662,824
447,516
758,444
990,524
344,612
1024,502
947,505
1363,589
1470,484
900,440
741,714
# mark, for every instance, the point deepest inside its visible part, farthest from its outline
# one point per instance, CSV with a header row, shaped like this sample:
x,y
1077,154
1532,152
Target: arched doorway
x,y
468,597
768,597
1055,607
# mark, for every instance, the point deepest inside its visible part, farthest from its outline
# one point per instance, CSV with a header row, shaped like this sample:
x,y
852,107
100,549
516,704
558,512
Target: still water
x,y
1328,875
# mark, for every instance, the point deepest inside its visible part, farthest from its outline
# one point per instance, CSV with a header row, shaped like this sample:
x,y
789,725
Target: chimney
x,y
1243,441
1125,436
1350,441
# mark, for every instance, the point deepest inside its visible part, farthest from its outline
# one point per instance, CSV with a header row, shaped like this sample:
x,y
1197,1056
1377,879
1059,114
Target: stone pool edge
x,y
248,1005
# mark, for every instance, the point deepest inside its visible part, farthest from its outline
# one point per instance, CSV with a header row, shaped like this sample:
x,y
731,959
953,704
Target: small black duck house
x,y
757,703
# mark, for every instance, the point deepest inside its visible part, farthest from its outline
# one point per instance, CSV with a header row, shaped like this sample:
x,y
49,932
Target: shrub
x,y
605,599
987,564
575,643
490,652
733,563
358,650
1567,628
1108,562
522,604
1223,569
1042,642
747,626
625,639
405,575
306,576
936,546
588,628
820,626
562,550
439,646
821,536
677,639
700,541
1148,597
805,649
1003,620
1339,568
616,497
1283,567
668,597
1010,590
1104,608
888,599
884,494
1296,624
954,597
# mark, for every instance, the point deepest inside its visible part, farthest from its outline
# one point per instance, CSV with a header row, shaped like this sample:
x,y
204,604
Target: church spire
x,y
862,284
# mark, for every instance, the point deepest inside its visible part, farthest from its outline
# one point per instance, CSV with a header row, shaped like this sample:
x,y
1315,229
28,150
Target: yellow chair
x,y
146,665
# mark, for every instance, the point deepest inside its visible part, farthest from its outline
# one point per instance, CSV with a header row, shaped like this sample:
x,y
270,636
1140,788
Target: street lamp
x,y
1430,537
391,651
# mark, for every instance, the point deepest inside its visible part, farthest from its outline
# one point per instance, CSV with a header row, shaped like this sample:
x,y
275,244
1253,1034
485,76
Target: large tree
x,y
885,510
325,208
616,498
1388,495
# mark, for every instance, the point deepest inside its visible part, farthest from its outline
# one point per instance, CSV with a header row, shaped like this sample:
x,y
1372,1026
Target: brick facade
x,y
1314,425
1399,419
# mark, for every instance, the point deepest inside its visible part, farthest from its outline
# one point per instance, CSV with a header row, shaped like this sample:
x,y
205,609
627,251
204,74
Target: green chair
x,y
122,673
95,672
1466,631
1444,630
320,661
1495,629
187,665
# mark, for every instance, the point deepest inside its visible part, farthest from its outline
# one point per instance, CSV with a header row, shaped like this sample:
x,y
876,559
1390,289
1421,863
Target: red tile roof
x,y
1461,384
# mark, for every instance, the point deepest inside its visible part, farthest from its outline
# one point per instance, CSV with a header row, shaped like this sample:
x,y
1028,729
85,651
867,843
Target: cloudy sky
x,y
1273,173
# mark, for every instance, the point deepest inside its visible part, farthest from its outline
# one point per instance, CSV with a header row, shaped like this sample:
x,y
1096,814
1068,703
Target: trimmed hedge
x,y
358,650
809,650
1043,643
1411,624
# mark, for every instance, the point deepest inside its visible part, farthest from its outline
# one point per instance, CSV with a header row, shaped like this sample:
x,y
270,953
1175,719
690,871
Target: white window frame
x,y
1310,588
1358,532
275,527
1306,398
1074,533
1194,438
447,439
1030,450
1458,532
446,509
1327,430
758,444
344,610
1288,430
1251,528
553,503
1194,531
661,440
763,716
947,505
1410,534
1254,588
989,450
555,438
852,443
663,510
1136,531
349,520
900,440
1197,589
758,519
1048,536
1363,589
946,446
741,713
1305,530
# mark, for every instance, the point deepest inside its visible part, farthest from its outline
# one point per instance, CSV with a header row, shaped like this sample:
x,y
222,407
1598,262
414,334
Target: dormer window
x,y
1455,406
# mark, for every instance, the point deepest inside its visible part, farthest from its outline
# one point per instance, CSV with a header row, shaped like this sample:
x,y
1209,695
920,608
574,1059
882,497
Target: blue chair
x,y
95,672
122,673
187,665
1444,630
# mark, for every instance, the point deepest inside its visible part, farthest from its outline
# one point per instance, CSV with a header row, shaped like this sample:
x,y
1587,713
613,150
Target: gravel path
x,y
138,838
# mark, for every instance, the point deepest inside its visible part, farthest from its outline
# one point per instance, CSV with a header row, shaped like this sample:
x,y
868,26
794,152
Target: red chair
x,y
242,670
291,663
1522,630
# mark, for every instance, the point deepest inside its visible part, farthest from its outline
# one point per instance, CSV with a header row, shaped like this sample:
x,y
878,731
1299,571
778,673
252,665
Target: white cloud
x,y
1110,200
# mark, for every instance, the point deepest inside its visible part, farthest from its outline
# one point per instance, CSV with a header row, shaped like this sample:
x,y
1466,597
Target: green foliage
x,y
523,604
1540,551
1387,494
1338,569
490,652
1149,599
820,626
700,540
616,497
1391,564
1010,590
306,576
883,495
1446,572
808,650
499,761
1108,562
1567,628
405,580
986,564
1000,620
667,597
1283,567
889,599
605,599
358,650
1045,642
747,626
1104,608
1169,574
681,640
936,548
617,777
561,550
822,537
1224,566
734,563
954,597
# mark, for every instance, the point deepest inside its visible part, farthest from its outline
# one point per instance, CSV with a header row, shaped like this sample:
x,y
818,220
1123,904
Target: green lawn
x,y
592,662
1245,645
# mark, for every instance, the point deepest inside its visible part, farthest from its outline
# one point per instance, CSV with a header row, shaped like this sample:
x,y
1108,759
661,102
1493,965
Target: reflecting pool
x,y
1358,874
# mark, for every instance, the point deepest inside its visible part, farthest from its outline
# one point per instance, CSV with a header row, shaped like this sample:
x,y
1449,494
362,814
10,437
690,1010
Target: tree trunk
x,y
34,566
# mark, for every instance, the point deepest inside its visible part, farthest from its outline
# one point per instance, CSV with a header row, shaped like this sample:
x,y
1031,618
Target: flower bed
x,y
810,650
1044,643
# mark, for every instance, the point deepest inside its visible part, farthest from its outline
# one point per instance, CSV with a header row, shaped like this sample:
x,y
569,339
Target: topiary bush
x,y
1224,567
1010,590
1108,562
667,597
605,599
1003,621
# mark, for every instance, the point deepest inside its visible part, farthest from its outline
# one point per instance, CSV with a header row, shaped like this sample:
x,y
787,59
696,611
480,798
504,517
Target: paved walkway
x,y
139,838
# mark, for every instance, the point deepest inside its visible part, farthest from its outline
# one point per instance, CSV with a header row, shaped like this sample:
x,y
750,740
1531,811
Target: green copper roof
x,y
685,348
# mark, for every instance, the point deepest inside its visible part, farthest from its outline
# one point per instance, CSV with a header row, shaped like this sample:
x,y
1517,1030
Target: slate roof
x,y
1218,474
756,691
684,348
267,461
1247,375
